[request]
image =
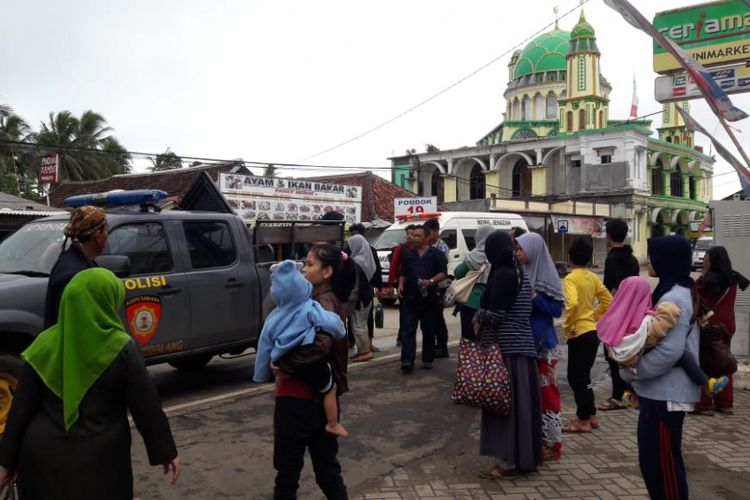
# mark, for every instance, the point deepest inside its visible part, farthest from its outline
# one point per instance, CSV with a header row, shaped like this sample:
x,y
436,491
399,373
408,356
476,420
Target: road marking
x,y
266,388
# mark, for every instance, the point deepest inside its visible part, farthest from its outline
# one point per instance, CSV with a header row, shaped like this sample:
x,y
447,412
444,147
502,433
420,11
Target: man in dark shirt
x,y
87,231
620,264
423,268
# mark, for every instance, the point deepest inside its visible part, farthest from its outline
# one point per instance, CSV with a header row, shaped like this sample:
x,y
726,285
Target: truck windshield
x,y
389,239
33,249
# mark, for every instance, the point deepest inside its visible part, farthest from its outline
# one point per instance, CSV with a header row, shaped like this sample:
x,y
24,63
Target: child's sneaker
x,y
716,385
630,399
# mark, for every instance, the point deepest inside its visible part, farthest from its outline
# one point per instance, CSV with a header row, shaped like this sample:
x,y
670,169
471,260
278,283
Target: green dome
x,y
544,53
583,29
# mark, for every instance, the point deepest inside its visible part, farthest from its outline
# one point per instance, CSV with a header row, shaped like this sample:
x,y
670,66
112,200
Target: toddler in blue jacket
x,y
295,322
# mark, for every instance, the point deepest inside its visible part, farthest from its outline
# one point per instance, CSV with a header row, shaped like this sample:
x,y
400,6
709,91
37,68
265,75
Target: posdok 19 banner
x,y
270,198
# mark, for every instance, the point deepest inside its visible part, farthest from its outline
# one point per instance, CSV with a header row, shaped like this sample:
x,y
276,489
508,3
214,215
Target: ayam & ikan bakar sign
x,y
270,198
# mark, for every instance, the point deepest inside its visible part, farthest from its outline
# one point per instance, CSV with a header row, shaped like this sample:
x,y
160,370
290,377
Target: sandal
x,y
497,473
577,427
612,404
725,411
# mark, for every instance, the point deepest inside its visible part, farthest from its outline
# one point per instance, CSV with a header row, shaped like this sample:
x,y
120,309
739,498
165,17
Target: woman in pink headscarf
x,y
630,327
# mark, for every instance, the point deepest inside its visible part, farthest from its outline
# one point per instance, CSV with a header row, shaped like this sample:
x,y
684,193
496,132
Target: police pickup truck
x,y
196,283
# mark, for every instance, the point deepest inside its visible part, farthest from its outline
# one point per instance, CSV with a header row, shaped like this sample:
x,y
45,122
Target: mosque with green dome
x,y
558,155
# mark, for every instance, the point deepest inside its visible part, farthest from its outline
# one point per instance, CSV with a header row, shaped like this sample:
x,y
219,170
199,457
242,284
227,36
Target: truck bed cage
x,y
286,237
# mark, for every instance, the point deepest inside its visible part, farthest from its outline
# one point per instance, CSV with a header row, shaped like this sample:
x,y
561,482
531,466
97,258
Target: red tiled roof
x,y
377,193
175,182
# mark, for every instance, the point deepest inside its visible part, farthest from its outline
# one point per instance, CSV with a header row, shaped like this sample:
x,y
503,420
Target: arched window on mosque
x,y
476,184
569,121
581,119
526,109
538,107
521,183
675,182
551,106
657,178
516,109
693,188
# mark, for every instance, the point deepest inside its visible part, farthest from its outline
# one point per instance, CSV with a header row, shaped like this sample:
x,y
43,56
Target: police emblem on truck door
x,y
143,314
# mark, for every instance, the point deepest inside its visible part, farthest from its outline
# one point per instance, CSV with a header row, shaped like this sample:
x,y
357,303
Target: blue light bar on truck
x,y
135,197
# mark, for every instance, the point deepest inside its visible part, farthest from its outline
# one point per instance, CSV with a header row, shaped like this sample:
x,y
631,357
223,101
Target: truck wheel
x,y
191,364
10,370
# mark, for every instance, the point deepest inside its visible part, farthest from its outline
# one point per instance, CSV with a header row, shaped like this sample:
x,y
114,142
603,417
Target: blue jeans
x,y
422,313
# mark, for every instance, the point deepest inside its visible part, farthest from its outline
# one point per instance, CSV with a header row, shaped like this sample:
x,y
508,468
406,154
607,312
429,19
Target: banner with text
x,y
48,169
414,206
269,198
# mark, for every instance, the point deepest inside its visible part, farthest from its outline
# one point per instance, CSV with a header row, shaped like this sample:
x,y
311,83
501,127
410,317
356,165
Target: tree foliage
x,y
167,160
86,147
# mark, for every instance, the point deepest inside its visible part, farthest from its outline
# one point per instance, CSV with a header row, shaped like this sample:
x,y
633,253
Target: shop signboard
x,y
48,169
712,33
415,206
733,79
577,225
271,198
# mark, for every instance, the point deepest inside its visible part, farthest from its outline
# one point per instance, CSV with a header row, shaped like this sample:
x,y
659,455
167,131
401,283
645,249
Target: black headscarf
x,y
720,275
504,281
671,257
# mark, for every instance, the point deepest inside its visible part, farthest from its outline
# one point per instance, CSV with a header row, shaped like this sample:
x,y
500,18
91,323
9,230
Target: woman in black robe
x,y
68,434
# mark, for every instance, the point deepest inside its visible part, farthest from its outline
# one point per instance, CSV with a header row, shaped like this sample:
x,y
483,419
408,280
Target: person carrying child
x,y
586,300
630,327
299,321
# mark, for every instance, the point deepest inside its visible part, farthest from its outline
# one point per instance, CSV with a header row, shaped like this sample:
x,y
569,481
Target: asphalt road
x,y
225,440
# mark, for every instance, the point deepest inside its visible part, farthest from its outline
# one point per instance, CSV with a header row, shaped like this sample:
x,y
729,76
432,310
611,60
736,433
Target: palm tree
x,y
270,170
165,161
92,147
15,160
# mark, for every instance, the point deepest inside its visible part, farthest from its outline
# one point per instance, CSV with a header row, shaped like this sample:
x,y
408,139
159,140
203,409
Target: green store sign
x,y
713,33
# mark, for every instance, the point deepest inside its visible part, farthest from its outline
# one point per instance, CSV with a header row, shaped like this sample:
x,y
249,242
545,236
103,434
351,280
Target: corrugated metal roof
x,y
11,202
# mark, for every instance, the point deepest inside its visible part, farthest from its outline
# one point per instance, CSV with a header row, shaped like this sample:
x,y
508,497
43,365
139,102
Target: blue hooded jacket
x,y
294,321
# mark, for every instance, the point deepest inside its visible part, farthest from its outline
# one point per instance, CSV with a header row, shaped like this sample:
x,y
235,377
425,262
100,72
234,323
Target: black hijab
x,y
504,281
720,275
671,258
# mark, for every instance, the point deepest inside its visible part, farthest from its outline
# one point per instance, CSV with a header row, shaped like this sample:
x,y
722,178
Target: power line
x,y
446,89
120,154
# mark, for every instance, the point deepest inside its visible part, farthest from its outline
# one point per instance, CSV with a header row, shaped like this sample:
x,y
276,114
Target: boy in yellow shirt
x,y
586,300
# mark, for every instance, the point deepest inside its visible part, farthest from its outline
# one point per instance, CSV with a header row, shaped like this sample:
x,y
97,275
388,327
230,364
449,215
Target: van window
x,y
209,244
145,245
469,238
450,238
390,239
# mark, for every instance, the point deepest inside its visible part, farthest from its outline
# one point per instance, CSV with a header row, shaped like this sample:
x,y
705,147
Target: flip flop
x,y
611,404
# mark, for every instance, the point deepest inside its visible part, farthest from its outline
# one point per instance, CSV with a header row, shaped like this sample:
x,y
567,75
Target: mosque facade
x,y
558,155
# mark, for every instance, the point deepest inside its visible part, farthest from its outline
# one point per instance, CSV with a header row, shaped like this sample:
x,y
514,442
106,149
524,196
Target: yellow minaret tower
x,y
673,127
586,104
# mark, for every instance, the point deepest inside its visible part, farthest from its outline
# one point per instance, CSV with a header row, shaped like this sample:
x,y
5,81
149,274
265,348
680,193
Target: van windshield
x,y
33,249
390,238
704,244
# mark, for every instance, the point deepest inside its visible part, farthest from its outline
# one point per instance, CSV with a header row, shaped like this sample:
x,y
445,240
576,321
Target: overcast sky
x,y
279,81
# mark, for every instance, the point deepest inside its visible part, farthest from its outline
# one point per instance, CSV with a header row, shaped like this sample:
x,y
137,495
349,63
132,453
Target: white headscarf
x,y
362,254
540,269
476,258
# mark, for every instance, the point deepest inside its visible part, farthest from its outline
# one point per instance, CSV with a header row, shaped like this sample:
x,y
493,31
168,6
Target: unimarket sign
x,y
712,33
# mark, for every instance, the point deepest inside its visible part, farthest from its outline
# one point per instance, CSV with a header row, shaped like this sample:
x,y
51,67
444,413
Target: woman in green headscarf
x,y
68,435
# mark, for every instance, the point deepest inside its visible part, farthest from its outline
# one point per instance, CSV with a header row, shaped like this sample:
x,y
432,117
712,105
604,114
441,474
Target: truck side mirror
x,y
118,264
